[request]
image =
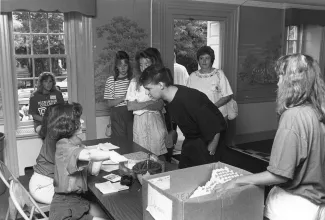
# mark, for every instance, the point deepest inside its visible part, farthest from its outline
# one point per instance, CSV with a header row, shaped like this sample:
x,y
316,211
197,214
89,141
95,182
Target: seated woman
x,y
297,159
45,95
41,183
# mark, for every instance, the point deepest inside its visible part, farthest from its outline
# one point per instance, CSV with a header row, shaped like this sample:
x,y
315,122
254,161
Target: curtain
x,y
8,98
86,7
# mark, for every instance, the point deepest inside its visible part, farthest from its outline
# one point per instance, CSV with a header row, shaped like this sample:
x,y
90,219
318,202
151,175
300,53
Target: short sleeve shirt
x,y
139,95
39,102
70,174
298,153
215,85
116,88
195,114
180,74
46,158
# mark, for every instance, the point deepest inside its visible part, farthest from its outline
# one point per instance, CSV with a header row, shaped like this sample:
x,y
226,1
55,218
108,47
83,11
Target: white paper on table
x,y
159,206
108,187
109,168
103,146
161,182
116,157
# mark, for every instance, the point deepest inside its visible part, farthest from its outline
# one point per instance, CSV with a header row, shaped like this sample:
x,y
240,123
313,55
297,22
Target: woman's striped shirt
x,y
116,89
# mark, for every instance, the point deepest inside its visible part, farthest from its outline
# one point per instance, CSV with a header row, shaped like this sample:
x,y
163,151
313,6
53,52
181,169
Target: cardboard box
x,y
165,196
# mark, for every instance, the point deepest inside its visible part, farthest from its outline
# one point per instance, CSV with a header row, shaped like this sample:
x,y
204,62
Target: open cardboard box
x,y
166,196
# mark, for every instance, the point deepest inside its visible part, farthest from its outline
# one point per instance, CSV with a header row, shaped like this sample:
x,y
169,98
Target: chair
x,y
23,202
6,176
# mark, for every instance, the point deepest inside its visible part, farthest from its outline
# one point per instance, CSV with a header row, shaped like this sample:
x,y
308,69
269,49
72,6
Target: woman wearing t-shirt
x,y
45,95
115,92
297,159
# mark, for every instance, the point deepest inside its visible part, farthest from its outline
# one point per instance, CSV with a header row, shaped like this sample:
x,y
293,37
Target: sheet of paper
x,y
161,182
103,146
108,187
159,206
117,158
109,168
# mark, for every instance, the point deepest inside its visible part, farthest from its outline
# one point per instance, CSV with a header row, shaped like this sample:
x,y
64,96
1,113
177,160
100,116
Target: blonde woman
x,y
297,160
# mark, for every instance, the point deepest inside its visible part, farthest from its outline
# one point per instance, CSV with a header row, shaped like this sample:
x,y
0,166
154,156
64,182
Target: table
x,y
125,204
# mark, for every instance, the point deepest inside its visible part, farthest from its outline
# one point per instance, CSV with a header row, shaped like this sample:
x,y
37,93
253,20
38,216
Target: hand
x,y
212,149
221,188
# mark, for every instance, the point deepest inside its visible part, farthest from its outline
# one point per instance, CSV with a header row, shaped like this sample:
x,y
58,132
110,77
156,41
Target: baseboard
x,y
253,137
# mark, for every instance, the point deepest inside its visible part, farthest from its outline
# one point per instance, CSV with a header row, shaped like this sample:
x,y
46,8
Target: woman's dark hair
x,y
61,120
205,50
154,55
122,55
155,74
41,78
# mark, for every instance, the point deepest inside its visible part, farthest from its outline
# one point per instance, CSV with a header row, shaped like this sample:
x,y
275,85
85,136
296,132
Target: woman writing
x,y
297,159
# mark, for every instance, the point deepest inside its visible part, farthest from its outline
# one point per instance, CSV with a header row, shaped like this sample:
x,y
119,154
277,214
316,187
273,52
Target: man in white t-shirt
x,y
180,73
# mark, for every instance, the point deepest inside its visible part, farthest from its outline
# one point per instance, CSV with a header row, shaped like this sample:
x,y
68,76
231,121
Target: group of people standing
x,y
139,101
149,123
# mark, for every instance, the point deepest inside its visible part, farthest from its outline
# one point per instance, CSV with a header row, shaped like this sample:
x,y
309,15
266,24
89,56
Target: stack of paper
x,y
116,157
103,146
108,187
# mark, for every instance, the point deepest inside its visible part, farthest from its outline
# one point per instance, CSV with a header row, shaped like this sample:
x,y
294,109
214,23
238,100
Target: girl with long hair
x,y
45,95
149,130
297,161
115,92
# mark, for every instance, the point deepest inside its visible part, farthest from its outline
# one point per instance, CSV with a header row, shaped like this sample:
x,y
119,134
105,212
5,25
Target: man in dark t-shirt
x,y
198,118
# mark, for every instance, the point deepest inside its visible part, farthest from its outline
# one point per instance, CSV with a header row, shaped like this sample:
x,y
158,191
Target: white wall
x,y
312,40
101,124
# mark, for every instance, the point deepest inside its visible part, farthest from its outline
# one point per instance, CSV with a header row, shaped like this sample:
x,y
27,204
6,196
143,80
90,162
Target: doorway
x,y
190,35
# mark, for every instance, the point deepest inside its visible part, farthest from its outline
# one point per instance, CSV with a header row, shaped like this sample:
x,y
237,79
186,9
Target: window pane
x,y
38,21
292,33
24,68
40,44
22,44
59,66
56,22
57,44
292,47
20,22
41,65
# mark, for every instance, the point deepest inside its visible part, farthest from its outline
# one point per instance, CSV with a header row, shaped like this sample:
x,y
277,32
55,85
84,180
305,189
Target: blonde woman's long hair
x,y
302,84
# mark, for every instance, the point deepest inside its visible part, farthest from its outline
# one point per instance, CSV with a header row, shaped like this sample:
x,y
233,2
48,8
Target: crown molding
x,y
265,4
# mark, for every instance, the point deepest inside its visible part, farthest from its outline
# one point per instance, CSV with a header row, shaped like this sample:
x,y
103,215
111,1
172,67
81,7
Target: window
x,y
293,40
39,46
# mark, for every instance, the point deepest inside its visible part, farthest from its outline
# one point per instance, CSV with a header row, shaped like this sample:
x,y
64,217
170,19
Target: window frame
x,y
298,39
30,123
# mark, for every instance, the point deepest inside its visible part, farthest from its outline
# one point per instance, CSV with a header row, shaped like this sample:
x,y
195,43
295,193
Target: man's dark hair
x,y
155,74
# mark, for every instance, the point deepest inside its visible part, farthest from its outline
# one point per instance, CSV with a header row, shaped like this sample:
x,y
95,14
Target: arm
x,y
222,101
37,117
114,102
148,105
212,147
94,155
262,179
94,167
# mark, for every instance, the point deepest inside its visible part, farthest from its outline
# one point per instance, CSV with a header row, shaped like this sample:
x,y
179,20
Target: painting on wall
x,y
260,45
119,25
